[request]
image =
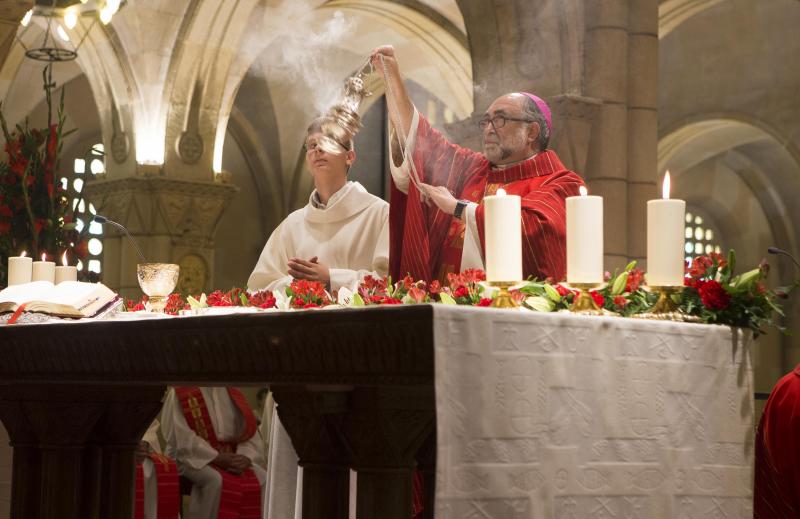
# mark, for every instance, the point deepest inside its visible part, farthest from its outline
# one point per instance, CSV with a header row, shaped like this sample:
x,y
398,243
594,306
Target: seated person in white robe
x,y
338,238
212,434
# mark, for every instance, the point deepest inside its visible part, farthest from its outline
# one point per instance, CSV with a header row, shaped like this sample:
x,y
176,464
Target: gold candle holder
x,y
584,302
157,280
503,299
666,309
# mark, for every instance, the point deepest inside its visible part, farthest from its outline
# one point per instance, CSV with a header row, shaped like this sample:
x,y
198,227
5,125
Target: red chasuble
x,y
427,243
241,495
169,489
777,477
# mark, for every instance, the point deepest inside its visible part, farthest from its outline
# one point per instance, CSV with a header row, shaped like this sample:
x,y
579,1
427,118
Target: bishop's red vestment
x,y
427,243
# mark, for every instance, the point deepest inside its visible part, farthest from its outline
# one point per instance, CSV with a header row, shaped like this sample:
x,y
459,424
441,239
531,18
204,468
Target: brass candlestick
x,y
666,309
503,299
584,302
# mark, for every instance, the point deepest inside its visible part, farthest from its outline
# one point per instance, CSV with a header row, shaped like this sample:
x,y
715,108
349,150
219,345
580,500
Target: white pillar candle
x,y
66,272
584,238
19,269
503,225
44,270
665,239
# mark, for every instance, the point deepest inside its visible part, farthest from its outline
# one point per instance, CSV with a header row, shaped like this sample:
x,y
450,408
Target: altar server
x,y
339,237
447,235
212,433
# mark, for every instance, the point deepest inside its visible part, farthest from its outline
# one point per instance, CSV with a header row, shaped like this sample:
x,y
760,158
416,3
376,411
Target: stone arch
x,y
766,163
672,13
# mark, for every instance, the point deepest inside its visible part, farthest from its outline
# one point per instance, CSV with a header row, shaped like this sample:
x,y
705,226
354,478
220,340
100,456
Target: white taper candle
x,y
503,225
584,238
665,239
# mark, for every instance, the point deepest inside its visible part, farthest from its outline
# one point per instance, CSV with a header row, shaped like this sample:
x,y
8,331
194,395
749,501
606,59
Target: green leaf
x,y
244,300
540,304
447,299
552,293
194,304
619,284
630,266
357,300
731,261
747,279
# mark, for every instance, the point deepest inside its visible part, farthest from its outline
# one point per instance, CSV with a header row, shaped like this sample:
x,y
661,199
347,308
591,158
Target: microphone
x,y
102,219
776,250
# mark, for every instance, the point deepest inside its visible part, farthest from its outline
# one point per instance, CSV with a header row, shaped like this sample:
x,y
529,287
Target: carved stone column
x,y
384,430
312,419
173,220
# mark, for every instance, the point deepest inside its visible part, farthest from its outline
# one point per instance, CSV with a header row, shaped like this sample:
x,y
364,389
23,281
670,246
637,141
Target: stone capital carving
x,y
574,119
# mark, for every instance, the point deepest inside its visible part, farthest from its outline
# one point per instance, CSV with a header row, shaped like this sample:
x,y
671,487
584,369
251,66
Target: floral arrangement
x,y
35,216
712,294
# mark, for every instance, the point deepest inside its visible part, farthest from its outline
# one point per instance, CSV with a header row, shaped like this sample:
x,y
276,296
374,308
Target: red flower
x,y
5,211
262,299
435,287
417,294
310,305
635,278
473,275
562,290
5,227
40,223
699,266
218,298
620,301
391,301
713,295
175,303
599,300
408,281
461,291
484,301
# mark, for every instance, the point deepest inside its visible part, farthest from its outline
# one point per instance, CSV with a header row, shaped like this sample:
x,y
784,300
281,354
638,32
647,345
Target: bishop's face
x,y
508,134
325,165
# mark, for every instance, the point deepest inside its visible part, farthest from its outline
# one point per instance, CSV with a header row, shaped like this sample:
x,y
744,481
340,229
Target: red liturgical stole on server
x,y
241,495
168,485
427,243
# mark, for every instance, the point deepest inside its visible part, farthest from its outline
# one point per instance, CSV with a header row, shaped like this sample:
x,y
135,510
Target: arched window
x,y
92,163
701,235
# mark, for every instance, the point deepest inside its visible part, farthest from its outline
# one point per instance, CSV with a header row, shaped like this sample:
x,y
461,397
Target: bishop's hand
x,y
311,270
440,196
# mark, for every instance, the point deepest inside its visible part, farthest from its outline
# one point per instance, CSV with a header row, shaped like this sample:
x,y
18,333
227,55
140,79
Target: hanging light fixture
x,y
54,16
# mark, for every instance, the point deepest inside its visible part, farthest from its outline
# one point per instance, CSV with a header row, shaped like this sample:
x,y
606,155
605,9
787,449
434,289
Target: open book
x,y
67,299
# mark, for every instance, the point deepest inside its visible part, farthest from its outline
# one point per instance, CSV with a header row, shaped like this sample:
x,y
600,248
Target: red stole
x,y
427,244
241,495
169,488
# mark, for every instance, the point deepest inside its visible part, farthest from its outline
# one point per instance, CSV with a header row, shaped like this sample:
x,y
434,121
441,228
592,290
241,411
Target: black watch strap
x,y
460,205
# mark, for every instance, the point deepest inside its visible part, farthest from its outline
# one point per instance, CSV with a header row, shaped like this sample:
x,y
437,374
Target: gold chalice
x,y
157,280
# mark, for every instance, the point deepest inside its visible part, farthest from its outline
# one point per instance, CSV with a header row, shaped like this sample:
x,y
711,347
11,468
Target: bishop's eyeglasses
x,y
498,121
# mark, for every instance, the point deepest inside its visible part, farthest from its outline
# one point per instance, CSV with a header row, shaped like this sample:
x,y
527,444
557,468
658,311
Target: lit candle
x,y
19,269
665,235
503,237
584,238
66,272
44,270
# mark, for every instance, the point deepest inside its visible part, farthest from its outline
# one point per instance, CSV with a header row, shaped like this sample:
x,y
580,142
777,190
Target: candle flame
x,y
64,259
501,192
23,254
44,258
583,190
665,187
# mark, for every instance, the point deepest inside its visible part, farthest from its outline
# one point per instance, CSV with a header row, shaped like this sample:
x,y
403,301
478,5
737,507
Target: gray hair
x,y
532,111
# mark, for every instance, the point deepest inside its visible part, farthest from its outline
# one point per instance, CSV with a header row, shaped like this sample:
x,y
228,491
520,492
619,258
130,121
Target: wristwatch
x,y
460,205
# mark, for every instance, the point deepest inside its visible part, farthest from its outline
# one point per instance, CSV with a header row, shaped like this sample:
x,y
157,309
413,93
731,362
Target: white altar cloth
x,y
568,416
